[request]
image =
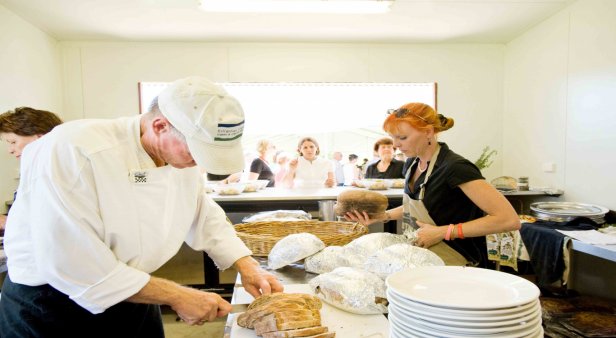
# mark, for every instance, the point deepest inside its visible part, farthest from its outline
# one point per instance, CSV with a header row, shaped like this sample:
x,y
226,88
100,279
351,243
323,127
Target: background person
x,y
103,203
282,162
386,166
260,168
351,171
21,126
454,205
338,168
309,170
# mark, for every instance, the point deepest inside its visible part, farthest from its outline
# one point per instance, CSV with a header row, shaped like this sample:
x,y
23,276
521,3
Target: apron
x,y
417,209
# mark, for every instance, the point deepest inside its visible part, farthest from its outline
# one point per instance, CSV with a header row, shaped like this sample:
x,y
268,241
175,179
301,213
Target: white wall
x,y
560,102
104,76
30,71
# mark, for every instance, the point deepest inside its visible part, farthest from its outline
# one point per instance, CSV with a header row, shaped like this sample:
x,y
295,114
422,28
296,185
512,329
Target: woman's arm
x,y
363,218
500,215
329,182
287,181
253,176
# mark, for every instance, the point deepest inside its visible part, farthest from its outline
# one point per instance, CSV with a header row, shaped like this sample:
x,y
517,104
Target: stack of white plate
x,y
453,301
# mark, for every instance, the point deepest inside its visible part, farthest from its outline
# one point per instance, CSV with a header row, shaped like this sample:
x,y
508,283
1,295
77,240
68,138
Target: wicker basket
x,y
260,237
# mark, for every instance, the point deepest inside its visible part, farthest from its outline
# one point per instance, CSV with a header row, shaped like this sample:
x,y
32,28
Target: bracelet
x,y
448,234
453,233
460,232
387,216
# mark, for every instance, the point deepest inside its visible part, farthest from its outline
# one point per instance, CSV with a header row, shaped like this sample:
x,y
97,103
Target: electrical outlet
x,y
549,167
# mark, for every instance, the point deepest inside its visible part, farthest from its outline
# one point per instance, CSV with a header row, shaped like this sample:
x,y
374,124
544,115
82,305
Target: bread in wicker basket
x,y
260,237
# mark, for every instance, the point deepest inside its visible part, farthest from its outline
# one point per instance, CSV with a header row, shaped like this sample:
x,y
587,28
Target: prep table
x,y
294,279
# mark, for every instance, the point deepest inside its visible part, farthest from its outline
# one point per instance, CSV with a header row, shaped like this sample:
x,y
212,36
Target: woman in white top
x,y
309,170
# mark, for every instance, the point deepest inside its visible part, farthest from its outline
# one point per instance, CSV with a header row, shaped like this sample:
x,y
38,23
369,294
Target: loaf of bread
x,y
371,202
282,315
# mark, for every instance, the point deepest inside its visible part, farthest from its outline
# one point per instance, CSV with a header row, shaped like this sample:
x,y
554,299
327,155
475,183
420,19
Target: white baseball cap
x,y
211,120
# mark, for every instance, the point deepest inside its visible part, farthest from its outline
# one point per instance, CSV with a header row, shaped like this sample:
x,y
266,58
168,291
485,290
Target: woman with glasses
x,y
447,205
387,166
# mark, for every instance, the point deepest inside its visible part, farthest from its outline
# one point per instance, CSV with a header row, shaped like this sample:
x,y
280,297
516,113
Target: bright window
x,y
343,117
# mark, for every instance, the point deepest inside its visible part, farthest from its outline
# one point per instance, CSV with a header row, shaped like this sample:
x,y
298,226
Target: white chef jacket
x,y
312,174
94,215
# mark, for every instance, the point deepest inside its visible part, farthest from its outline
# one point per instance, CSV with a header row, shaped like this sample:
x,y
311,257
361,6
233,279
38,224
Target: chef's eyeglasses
x,y
401,112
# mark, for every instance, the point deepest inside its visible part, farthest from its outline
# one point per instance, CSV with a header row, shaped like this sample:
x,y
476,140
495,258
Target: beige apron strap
x,y
418,209
430,168
448,255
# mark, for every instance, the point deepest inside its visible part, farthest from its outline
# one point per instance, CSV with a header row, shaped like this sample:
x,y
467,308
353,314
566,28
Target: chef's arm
x,y
255,280
192,306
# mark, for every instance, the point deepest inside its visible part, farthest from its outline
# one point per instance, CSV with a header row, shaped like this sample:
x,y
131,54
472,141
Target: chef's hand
x,y
360,217
196,307
329,182
255,280
429,234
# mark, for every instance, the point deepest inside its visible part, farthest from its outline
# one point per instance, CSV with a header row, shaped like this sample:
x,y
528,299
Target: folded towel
x,y
545,246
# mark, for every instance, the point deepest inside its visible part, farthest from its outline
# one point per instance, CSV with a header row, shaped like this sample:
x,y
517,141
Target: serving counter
x,y
268,199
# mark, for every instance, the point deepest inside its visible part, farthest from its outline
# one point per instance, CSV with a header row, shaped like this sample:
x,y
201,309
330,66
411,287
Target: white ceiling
x,y
410,21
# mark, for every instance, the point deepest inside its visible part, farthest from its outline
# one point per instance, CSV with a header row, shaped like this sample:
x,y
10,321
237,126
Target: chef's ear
x,y
160,125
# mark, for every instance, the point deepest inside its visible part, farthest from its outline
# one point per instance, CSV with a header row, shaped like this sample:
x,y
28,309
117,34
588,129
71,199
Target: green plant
x,y
484,160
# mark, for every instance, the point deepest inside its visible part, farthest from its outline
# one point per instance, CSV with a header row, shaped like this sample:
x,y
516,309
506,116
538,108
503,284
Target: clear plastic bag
x,y
278,215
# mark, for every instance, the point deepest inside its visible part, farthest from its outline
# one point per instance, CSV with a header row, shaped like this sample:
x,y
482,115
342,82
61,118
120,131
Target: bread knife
x,y
237,308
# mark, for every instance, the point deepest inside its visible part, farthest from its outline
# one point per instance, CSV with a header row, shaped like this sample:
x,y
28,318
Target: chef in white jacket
x,y
103,203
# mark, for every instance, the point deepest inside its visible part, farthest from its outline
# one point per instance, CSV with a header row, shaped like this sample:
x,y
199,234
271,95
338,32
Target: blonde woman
x,y
260,167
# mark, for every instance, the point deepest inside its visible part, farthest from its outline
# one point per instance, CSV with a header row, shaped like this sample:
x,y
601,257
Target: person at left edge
x,y
22,126
103,203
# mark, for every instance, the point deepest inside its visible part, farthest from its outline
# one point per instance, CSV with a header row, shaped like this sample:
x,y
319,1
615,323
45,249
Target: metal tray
x,y
566,211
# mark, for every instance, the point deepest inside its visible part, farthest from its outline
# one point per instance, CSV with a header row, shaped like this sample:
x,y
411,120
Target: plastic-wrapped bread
x,y
293,248
332,257
369,244
351,289
398,257
371,202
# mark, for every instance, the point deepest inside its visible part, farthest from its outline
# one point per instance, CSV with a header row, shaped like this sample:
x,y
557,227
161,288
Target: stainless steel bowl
x,y
567,211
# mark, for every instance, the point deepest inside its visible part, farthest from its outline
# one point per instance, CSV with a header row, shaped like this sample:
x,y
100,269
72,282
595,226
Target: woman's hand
x,y
360,217
429,234
293,165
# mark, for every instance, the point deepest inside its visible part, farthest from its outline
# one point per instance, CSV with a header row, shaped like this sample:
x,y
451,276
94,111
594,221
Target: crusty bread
x,y
285,315
270,324
311,301
305,332
371,202
280,314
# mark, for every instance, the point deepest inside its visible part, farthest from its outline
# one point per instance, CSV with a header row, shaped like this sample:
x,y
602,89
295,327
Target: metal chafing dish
x,y
567,211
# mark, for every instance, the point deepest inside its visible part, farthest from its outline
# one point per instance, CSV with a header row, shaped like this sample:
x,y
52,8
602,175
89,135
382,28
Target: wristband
x,y
460,232
448,234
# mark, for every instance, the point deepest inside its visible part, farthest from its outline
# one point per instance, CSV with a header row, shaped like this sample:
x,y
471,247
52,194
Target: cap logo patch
x,y
229,132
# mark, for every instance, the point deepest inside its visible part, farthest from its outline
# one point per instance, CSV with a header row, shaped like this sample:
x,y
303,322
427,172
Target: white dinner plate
x,y
452,327
468,315
413,329
456,321
461,287
529,327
